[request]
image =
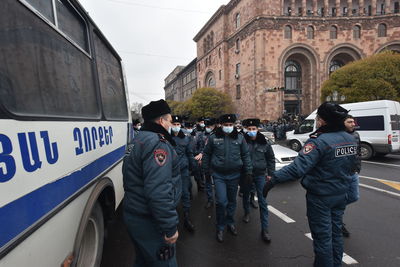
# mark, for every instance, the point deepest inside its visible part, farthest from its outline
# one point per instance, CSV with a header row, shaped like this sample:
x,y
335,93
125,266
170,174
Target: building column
x,y
303,8
387,7
349,7
293,7
337,6
373,7
314,7
326,8
361,7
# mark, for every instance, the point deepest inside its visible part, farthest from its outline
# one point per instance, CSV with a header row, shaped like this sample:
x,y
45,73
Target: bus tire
x,y
91,246
366,151
295,145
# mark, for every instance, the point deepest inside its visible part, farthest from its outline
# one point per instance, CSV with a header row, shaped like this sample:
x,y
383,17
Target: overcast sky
x,y
152,37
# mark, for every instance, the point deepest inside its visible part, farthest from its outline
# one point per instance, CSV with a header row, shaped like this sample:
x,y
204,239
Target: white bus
x,y
64,128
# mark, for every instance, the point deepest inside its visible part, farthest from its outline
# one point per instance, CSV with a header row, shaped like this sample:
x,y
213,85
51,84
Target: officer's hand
x,y
248,179
171,240
199,156
268,186
268,178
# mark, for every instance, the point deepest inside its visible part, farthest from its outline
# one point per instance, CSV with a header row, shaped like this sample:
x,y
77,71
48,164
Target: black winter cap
x,y
332,113
155,109
251,122
227,118
189,124
209,122
176,118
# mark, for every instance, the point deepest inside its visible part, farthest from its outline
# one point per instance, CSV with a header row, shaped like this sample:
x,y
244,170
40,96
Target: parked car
x,y
378,123
283,155
269,135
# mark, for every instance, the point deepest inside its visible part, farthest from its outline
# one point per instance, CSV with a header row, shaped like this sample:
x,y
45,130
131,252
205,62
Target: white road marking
x,y
380,190
380,163
377,179
346,258
284,217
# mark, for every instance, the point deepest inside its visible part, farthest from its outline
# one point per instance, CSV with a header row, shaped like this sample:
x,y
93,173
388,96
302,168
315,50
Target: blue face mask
x,y
176,129
208,130
189,131
227,129
252,133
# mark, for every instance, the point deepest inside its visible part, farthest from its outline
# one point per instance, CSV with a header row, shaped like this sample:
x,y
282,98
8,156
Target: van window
x,y
370,123
395,122
306,127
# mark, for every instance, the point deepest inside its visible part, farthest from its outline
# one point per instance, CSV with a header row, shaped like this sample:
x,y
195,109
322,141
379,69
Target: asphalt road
x,y
373,222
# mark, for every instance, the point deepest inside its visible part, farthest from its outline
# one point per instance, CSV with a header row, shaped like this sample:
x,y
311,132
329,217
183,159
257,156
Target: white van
x,y
378,123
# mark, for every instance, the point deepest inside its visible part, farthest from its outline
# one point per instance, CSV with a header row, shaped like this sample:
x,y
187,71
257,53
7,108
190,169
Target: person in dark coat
x,y
354,192
152,184
187,163
325,166
263,160
225,155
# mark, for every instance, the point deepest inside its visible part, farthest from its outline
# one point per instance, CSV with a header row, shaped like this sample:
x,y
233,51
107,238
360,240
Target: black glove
x,y
268,186
248,179
208,177
166,253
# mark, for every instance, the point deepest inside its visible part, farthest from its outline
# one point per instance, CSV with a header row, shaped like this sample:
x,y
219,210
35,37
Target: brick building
x,y
272,56
181,83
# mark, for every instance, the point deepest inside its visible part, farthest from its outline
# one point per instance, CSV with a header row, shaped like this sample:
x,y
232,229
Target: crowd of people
x,y
166,151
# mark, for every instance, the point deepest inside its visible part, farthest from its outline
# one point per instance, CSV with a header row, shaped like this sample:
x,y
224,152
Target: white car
x,y
283,155
269,135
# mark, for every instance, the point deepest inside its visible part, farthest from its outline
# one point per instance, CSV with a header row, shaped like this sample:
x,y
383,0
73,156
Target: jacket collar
x,y
260,138
328,129
158,129
180,134
220,134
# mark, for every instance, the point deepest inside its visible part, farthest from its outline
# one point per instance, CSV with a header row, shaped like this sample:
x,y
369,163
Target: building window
x,y
310,32
356,32
288,32
292,77
237,20
396,7
333,32
219,52
206,62
238,93
198,67
209,60
220,74
237,70
237,45
335,65
199,84
382,30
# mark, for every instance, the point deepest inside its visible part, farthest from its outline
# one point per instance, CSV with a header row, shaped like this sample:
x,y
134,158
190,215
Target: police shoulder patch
x,y
308,148
160,156
162,138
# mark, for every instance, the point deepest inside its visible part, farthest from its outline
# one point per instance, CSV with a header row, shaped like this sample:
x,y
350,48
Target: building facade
x,y
181,83
272,56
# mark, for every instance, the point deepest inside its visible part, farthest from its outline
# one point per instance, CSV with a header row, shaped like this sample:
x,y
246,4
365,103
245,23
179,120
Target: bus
x,y
64,129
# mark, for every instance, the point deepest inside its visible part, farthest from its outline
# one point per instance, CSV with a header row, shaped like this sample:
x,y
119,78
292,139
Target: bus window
x,y
70,22
42,74
45,7
111,82
370,123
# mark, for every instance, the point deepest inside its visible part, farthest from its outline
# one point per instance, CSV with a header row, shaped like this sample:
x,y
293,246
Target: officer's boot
x,y
345,232
253,202
265,236
187,223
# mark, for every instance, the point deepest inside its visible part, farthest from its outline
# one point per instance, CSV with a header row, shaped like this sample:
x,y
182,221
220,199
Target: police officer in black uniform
x,y
225,155
152,185
325,166
187,163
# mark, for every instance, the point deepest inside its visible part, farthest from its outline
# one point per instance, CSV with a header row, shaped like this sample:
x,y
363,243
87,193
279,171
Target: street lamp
x,y
335,97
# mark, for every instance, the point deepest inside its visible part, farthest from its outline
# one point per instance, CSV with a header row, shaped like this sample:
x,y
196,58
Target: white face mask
x,y
189,130
209,130
176,129
202,125
245,130
227,129
169,129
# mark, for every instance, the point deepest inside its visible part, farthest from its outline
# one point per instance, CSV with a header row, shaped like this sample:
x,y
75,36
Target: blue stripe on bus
x,y
17,216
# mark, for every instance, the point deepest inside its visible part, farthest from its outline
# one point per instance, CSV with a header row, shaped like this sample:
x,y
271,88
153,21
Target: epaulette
x,y
162,138
315,135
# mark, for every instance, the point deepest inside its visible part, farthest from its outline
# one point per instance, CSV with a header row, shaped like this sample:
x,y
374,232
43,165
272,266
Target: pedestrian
x,y
152,185
186,162
354,192
325,166
209,130
225,155
136,125
263,161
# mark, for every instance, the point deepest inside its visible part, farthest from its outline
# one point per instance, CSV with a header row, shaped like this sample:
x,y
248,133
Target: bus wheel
x,y
91,247
366,151
295,145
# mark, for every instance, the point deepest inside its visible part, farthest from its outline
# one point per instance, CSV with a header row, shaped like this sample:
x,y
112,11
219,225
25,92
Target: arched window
x,y
333,32
210,80
382,30
219,52
204,45
335,65
209,60
237,20
310,32
288,32
356,32
237,45
292,77
211,39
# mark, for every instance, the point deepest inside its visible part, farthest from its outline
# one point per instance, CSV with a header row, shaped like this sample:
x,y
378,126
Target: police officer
x,y
209,129
225,155
354,192
136,125
263,160
152,185
326,165
186,161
